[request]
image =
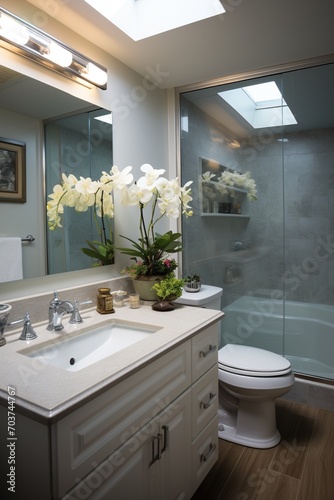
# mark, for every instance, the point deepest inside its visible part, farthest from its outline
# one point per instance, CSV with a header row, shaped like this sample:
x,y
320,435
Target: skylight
x,y
141,19
260,105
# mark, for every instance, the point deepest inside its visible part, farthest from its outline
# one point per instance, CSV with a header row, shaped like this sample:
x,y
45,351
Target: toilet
x,y
250,379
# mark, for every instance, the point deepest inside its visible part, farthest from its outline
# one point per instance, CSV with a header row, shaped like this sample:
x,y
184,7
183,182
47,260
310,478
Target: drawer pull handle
x,y
206,405
165,428
212,348
156,455
205,458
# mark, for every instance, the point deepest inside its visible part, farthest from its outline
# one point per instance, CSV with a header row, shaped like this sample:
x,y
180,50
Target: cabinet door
x,y
125,474
173,478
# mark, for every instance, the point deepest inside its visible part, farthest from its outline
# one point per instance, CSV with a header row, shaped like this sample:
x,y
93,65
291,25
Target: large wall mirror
x,y
77,143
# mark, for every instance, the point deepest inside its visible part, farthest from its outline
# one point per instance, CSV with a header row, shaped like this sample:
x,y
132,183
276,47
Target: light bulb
x,y
12,30
58,55
94,74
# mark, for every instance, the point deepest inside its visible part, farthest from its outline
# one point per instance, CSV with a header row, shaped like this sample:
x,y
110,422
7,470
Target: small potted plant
x,y
168,289
192,283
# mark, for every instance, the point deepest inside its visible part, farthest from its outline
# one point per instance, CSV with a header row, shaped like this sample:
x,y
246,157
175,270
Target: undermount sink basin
x,y
83,350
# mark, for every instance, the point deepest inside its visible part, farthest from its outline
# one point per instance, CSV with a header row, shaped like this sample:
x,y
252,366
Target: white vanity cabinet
x,y
155,435
163,457
89,435
152,435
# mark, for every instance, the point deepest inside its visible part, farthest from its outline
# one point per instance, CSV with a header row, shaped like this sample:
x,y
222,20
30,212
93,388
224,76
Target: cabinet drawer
x,y
205,351
90,434
204,453
204,400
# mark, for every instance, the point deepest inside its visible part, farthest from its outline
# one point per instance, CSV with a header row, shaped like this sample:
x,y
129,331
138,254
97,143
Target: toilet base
x,y
230,434
253,424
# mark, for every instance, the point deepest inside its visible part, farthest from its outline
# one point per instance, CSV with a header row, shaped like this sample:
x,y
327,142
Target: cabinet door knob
x,y
206,405
204,354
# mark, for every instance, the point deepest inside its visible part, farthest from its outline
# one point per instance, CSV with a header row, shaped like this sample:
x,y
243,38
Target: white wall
x,y
139,113
17,219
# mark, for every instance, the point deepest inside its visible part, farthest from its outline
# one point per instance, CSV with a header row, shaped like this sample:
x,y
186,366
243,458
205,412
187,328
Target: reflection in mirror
x,y
25,104
274,255
80,145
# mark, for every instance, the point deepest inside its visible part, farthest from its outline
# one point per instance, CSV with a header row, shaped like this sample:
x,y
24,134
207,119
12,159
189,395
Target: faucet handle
x,y
76,317
28,333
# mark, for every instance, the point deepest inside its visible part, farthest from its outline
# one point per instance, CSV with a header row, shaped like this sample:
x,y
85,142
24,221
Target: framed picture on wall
x,y
12,171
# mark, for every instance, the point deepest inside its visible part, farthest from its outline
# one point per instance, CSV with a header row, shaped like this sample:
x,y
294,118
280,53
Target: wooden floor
x,y
300,467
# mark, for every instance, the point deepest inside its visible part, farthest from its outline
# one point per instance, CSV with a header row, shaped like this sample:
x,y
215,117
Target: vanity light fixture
x,y
27,40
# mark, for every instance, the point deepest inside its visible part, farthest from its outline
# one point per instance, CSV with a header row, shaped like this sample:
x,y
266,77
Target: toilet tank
x,y
208,297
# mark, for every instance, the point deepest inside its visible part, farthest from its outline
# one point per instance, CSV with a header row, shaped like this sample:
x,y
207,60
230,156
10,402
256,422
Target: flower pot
x,y
163,306
192,286
143,286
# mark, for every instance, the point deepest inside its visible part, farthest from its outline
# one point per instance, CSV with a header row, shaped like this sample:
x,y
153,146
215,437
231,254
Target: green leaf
x,y
100,251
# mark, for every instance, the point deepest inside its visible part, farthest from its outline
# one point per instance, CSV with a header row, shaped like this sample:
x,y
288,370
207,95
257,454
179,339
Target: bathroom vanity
x,y
139,423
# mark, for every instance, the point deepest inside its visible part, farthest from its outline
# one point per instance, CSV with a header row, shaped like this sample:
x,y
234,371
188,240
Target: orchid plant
x,y
151,251
162,197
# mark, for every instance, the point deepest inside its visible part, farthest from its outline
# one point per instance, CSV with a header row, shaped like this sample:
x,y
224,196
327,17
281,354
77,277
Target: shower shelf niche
x,y
213,200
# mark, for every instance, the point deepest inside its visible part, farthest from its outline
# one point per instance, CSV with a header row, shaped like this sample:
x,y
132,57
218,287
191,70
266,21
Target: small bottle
x,y
118,298
237,208
104,301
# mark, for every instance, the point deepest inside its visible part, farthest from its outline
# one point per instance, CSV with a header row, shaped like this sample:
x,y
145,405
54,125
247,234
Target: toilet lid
x,y
252,361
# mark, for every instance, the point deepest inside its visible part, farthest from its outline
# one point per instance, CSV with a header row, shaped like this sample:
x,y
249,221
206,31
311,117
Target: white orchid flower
x,y
207,176
151,176
121,178
84,202
170,209
86,186
135,195
166,189
58,192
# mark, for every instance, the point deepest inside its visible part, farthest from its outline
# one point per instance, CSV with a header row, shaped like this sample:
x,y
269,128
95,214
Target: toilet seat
x,y
252,361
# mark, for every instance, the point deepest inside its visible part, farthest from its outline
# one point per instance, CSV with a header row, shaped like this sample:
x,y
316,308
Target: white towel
x,y
10,259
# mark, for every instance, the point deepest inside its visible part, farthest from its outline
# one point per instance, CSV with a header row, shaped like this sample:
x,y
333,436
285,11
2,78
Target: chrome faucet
x,y
57,309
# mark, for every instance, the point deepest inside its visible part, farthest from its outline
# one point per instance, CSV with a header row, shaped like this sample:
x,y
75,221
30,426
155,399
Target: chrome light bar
x,y
27,40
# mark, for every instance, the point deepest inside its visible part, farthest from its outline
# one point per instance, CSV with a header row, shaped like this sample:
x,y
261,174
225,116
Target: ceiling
x,y
251,35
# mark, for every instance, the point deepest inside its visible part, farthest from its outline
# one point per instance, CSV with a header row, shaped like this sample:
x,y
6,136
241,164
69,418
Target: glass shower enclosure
x,y
261,155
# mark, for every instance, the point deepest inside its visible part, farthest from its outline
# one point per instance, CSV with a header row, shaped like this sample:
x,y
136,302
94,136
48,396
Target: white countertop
x,y
48,393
